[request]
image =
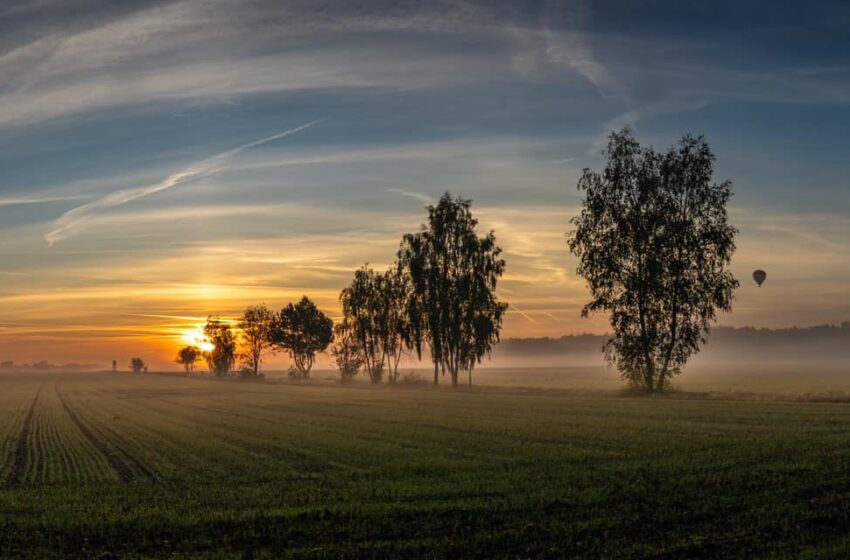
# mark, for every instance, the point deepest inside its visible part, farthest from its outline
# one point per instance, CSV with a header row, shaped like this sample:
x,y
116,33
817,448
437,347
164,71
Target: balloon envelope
x,y
759,276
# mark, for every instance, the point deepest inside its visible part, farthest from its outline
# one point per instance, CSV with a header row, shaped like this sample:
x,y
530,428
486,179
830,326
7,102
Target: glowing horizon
x,y
154,172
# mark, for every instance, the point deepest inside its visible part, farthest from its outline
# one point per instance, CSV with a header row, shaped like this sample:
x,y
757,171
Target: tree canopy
x,y
374,308
453,275
187,356
302,330
654,244
255,325
222,357
346,352
363,308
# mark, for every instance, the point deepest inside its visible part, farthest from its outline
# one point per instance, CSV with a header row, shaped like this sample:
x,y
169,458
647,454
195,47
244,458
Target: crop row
x,y
47,437
17,407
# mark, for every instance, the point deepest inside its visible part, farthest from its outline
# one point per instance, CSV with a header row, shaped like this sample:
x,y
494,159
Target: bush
x,y
411,378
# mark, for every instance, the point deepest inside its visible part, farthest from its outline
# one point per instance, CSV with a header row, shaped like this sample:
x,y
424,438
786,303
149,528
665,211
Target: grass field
x,y
148,465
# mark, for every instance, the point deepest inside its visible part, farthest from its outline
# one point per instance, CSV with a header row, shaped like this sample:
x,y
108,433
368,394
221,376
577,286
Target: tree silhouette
x,y
223,354
363,309
374,308
256,325
302,330
137,365
187,356
654,245
397,293
453,275
346,353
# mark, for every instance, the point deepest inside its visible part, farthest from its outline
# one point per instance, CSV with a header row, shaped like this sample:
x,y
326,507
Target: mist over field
x,y
793,361
824,345
789,361
799,359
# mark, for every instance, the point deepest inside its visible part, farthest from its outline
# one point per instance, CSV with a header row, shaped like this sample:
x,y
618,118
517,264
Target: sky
x,y
164,161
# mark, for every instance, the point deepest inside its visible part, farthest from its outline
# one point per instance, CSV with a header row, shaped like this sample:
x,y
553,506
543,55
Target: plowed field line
x,y
22,453
121,468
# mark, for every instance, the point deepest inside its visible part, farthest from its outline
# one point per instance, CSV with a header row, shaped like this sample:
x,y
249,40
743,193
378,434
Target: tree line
x,y
300,329
652,241
439,296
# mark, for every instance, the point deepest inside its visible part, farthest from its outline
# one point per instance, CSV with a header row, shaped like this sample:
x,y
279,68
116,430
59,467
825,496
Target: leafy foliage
x,y
654,245
256,326
397,293
374,308
346,352
363,319
453,274
223,355
302,330
137,364
188,356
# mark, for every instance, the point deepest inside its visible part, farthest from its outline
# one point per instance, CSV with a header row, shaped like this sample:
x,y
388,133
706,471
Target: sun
x,y
195,337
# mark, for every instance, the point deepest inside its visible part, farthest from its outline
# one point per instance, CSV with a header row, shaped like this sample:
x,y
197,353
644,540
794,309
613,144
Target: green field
x,y
148,465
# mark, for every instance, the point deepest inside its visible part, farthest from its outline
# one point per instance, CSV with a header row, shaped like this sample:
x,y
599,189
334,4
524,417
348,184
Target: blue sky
x,y
112,210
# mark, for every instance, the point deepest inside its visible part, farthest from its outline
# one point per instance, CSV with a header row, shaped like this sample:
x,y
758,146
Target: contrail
x,y
37,200
414,195
68,222
524,314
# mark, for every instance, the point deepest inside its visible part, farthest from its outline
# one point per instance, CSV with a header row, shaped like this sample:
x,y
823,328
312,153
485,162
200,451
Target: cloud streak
x,y
494,101
423,198
212,50
71,221
23,201
570,47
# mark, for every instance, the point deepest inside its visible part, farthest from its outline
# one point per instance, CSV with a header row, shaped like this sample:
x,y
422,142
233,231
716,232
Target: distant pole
x,y
114,366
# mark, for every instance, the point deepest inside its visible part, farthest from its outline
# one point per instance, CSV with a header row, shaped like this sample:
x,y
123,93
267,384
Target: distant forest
x,y
817,343
43,365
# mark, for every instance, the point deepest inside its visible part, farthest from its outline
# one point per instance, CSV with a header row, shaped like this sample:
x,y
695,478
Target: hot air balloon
x,y
759,276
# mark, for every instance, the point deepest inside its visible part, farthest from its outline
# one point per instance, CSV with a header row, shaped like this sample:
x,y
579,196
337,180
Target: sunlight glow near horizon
x,y
140,144
195,337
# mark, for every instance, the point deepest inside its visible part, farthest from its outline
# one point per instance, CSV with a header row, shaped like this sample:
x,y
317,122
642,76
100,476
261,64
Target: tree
x,y
256,325
346,353
397,292
137,365
453,275
374,308
188,356
223,354
362,309
654,245
302,330
375,314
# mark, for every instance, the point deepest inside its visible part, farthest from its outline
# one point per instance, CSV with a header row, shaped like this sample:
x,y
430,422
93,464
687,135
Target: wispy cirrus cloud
x,y
73,219
494,100
218,50
213,50
26,200
423,198
564,24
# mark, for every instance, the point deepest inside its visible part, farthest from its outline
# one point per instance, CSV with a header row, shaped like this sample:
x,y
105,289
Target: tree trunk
x,y
649,377
669,354
436,375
